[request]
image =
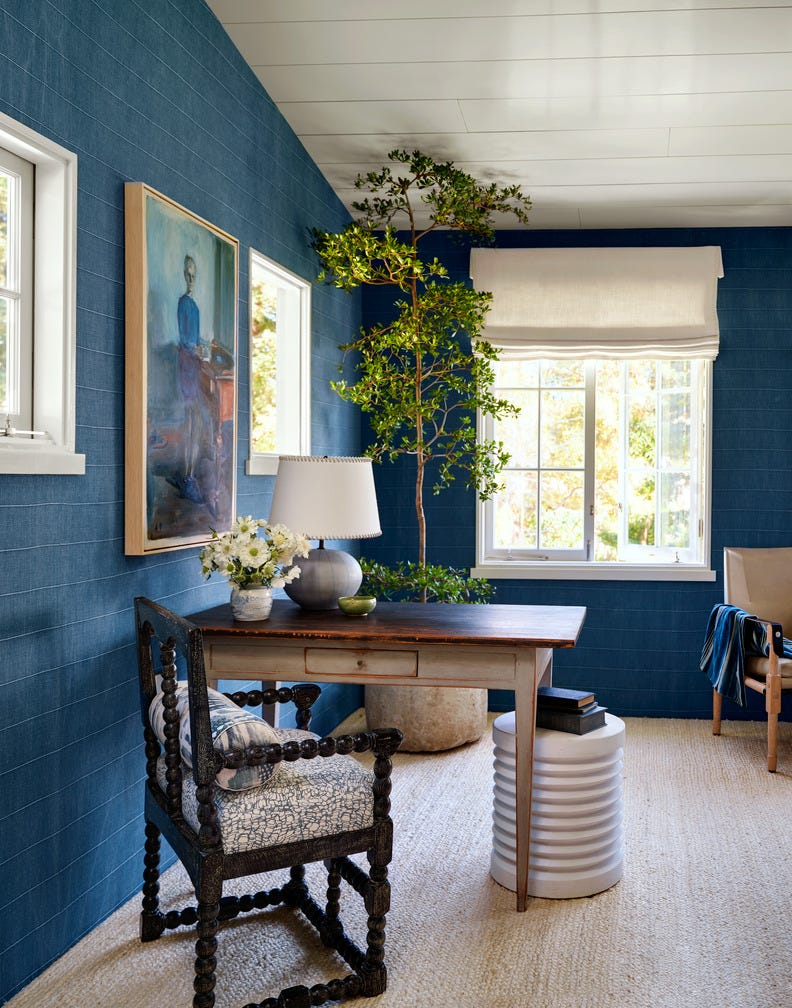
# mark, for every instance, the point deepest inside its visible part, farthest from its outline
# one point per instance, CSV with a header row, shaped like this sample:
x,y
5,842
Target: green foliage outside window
x,y
263,373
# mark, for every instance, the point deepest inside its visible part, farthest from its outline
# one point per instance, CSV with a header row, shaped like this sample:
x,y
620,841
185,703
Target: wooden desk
x,y
507,647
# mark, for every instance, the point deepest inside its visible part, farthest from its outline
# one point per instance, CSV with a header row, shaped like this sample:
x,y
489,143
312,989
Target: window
x,y
608,465
608,354
16,289
280,313
38,183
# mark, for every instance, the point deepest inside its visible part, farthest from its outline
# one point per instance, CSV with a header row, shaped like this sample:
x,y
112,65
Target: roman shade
x,y
601,302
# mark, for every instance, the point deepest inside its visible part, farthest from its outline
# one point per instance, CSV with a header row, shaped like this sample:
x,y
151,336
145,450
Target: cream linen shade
x,y
601,302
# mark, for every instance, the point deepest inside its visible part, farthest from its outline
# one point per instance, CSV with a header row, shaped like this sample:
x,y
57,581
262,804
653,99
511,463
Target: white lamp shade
x,y
326,497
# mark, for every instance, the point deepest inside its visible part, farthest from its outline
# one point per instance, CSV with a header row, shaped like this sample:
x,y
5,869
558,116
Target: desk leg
x,y
530,666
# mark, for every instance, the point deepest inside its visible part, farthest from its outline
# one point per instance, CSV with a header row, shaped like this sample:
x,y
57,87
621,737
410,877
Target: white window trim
x,y
552,570
570,571
54,309
266,463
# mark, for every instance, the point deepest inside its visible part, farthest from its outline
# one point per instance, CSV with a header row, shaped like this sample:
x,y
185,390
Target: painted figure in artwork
x,y
191,353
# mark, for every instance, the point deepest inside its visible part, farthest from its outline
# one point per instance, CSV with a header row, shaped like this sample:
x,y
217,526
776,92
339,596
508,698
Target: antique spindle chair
x,y
220,794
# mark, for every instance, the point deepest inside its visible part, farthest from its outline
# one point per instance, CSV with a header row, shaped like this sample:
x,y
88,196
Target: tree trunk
x,y
420,463
420,517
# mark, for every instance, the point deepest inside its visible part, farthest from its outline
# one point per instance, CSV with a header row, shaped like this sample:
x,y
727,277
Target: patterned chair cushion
x,y
308,798
232,728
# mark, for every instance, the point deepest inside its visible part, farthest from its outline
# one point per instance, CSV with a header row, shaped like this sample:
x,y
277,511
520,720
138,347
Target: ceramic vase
x,y
251,603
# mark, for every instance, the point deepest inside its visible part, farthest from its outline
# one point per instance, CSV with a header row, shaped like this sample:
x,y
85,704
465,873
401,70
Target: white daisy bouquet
x,y
253,553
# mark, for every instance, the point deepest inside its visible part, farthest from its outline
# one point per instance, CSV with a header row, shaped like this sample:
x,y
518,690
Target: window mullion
x,y
589,457
660,540
624,427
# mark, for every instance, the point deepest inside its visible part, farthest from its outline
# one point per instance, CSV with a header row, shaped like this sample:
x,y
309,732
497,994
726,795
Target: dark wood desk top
x,y
408,623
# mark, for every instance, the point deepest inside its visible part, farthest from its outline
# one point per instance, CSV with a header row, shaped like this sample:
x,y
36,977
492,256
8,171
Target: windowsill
x,y
546,570
38,458
262,465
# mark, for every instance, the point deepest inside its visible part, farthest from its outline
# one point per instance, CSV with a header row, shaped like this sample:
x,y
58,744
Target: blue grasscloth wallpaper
x,y
640,645
153,91
148,91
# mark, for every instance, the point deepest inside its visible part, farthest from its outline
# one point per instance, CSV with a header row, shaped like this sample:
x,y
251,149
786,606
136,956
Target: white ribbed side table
x,y
577,837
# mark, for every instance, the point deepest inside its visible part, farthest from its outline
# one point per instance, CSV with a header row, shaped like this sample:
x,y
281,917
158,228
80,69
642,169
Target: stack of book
x,y
568,710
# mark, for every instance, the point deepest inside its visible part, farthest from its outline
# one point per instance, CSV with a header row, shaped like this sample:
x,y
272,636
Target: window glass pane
x,y
515,523
520,432
641,411
675,374
641,508
561,507
516,374
675,430
565,374
4,313
263,355
562,428
4,211
675,506
4,303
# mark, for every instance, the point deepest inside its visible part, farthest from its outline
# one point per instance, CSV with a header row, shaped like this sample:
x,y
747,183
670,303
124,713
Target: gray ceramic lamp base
x,y
325,576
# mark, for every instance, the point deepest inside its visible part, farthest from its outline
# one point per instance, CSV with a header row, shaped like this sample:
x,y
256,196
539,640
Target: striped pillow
x,y
232,727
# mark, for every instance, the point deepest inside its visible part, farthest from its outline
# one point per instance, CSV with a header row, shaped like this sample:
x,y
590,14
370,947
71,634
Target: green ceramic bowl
x,y
357,605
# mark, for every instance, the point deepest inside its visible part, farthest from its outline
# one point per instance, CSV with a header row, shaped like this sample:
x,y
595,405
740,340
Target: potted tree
x,y
421,376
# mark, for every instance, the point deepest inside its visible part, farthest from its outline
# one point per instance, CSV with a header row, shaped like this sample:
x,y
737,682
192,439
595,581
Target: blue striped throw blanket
x,y
732,634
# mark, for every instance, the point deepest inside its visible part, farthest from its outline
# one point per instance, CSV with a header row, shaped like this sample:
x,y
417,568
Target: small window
x,y
609,469
280,312
16,289
38,181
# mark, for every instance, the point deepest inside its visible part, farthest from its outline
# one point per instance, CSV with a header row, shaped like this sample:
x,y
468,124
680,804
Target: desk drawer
x,y
273,661
467,663
341,661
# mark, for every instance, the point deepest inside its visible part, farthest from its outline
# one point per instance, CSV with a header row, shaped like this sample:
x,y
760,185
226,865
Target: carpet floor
x,y
701,916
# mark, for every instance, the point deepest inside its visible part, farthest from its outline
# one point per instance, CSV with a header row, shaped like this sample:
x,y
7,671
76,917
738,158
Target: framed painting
x,y
181,363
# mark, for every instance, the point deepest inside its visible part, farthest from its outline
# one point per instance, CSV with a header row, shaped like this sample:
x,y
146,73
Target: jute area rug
x,y
700,919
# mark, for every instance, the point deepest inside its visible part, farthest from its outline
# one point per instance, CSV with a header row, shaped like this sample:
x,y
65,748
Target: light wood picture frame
x,y
181,374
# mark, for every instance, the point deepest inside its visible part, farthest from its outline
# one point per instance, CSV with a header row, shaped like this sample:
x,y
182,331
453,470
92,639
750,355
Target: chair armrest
x,y
381,742
303,695
774,632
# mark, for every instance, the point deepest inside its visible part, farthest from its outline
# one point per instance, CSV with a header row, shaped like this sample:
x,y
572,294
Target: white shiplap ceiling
x,y
609,113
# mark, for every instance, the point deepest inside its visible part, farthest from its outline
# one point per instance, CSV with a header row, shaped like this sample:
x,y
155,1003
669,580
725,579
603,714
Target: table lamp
x,y
325,497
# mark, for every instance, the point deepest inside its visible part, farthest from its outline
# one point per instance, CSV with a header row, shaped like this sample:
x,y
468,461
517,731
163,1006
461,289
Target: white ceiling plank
x,y
559,145
658,194
346,118
628,111
686,217
651,33
517,79
731,140
248,11
610,171
542,218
